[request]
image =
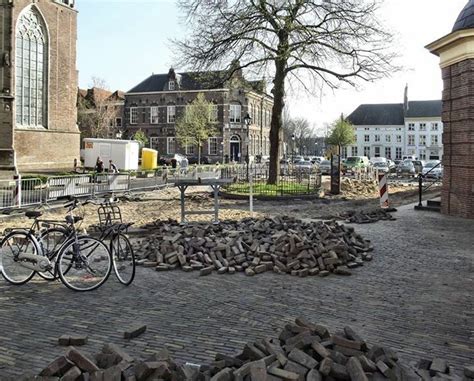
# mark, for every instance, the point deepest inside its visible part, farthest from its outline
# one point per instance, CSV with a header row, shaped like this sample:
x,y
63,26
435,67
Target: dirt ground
x,y
165,204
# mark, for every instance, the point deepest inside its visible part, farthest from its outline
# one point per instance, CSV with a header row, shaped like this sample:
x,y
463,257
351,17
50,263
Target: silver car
x,y
304,166
325,167
433,169
382,166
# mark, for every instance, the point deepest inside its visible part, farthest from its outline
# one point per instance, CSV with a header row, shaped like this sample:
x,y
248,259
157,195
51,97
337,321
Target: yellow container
x,y
149,158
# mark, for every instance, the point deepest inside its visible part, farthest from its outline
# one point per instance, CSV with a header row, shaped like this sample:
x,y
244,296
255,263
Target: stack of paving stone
x,y
359,187
283,245
303,351
365,216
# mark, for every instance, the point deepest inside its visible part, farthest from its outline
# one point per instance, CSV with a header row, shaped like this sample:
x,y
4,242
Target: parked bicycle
x,y
82,262
113,229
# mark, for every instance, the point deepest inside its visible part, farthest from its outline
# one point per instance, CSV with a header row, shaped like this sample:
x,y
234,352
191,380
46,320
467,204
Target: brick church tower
x,y
456,52
38,84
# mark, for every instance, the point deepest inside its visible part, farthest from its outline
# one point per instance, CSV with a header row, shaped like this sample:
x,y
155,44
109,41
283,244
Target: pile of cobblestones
x,y
358,187
283,245
365,216
303,351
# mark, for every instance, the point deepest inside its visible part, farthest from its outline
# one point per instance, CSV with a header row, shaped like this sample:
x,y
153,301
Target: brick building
x,y
154,105
100,113
38,84
456,52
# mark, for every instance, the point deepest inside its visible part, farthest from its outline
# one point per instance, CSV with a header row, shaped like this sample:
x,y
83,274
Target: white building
x,y
398,129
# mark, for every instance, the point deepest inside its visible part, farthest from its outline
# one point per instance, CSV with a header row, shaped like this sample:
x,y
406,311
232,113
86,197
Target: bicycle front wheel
x,y
124,258
85,265
13,263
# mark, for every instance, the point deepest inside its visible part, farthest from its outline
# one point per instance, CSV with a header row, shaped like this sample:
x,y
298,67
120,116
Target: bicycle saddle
x,y
33,214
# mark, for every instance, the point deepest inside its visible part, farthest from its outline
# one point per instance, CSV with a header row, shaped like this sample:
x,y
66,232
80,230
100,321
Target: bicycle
x,y
112,227
83,263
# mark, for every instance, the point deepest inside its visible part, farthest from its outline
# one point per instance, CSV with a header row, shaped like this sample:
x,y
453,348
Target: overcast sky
x,y
125,41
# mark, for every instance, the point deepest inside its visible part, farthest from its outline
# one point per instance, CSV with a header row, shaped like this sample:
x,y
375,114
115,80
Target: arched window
x,y
31,65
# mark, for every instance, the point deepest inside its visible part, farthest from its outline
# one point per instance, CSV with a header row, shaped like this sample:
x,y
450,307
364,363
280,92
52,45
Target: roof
x,y
390,114
424,109
185,81
96,95
466,17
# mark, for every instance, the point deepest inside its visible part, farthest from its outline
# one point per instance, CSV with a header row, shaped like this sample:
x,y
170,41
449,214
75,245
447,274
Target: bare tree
x,y
312,43
96,113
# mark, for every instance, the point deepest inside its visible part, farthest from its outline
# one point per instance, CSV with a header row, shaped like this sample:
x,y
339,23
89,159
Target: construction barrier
x,y
383,188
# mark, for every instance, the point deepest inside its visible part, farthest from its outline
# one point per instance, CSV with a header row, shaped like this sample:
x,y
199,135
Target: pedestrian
x,y
112,167
75,165
99,165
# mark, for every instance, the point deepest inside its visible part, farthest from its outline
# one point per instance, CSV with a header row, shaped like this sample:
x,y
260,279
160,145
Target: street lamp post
x,y
247,120
293,148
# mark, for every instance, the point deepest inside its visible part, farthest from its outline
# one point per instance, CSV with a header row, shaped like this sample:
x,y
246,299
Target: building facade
x,y
155,105
100,113
38,84
397,130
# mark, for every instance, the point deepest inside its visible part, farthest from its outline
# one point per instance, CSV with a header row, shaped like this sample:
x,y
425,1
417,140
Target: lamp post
x,y
293,148
316,149
247,120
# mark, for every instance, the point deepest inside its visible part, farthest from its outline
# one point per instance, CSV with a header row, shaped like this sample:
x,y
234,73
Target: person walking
x,y
112,167
99,165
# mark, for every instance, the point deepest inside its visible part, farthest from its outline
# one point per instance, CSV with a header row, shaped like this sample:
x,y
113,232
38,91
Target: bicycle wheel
x,y
51,240
123,258
14,268
84,266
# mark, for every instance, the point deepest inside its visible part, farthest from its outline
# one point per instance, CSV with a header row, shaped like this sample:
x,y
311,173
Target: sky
x,y
125,41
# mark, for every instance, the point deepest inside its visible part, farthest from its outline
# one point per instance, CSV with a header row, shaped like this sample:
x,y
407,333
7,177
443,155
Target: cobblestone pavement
x,y
416,296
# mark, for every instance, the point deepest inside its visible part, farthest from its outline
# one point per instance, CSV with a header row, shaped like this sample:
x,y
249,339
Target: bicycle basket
x,y
109,215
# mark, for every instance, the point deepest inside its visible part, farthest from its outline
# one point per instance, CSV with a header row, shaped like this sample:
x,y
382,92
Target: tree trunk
x,y
277,111
199,152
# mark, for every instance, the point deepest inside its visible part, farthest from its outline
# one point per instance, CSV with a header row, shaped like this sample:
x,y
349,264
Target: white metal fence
x,y
27,192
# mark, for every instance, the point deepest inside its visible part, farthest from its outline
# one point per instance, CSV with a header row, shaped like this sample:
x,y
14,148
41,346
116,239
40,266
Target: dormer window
x,y
171,85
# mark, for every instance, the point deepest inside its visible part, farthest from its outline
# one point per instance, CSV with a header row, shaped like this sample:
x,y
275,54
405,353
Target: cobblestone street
x,y
415,296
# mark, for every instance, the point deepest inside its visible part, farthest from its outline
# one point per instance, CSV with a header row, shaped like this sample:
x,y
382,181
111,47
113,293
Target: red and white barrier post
x,y
383,188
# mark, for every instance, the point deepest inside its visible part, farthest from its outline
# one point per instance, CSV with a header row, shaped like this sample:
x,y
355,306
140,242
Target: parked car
x,y
195,160
391,166
297,159
355,162
382,166
304,166
325,167
317,159
406,168
378,160
409,157
433,169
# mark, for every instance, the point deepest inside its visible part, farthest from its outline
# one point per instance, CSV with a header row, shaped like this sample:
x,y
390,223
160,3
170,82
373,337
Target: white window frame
x,y
367,138
411,126
367,151
172,85
154,142
354,151
398,153
422,154
422,140
154,115
388,138
434,126
411,140
133,115
388,152
210,145
399,138
190,149
170,141
213,113
422,126
377,138
434,140
171,114
235,113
